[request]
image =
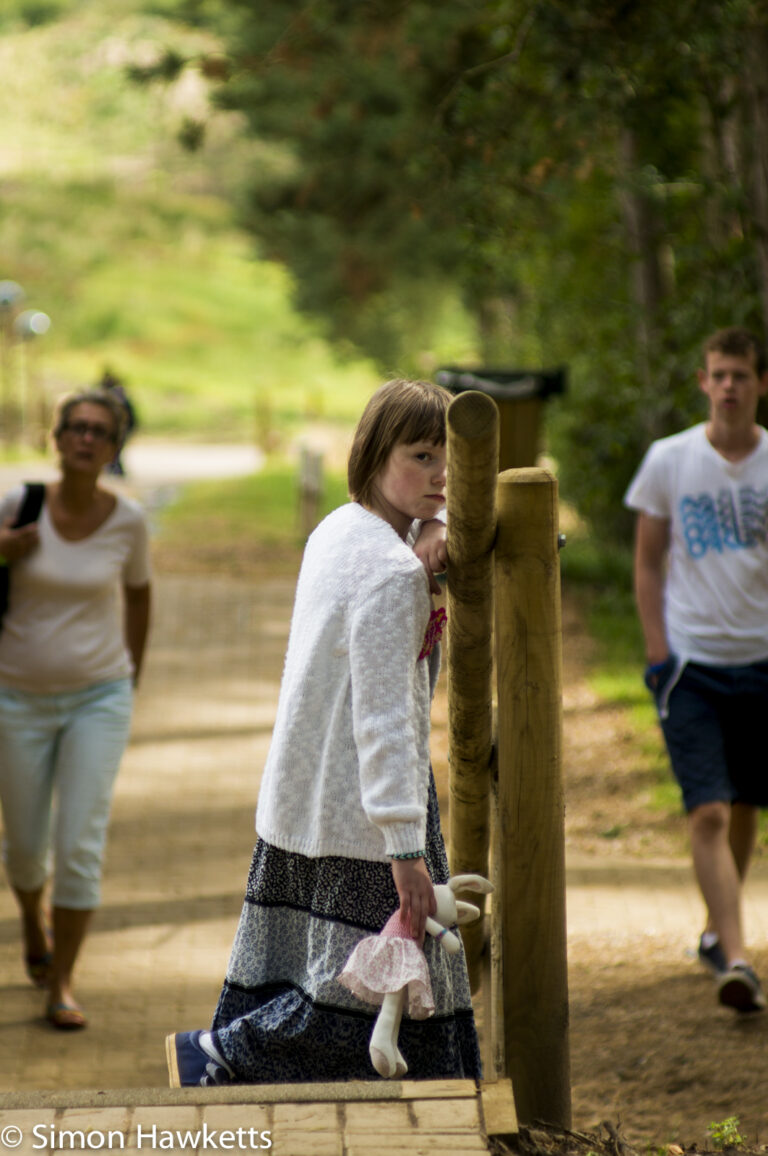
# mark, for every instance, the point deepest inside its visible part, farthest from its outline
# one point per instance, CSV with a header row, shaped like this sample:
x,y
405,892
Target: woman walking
x,y
71,650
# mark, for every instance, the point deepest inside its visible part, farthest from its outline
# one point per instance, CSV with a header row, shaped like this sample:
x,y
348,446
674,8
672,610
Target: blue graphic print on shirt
x,y
724,521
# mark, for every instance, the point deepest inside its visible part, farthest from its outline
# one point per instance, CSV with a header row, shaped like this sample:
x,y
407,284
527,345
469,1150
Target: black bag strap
x,y
31,504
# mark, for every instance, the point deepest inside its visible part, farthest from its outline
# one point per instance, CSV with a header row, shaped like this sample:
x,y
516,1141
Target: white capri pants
x,y
59,757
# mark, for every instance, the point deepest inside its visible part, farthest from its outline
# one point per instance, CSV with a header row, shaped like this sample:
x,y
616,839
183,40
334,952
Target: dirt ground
x,y
654,1060
652,1054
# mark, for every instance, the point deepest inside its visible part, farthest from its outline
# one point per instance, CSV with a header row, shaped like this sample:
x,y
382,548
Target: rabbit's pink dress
x,y
390,962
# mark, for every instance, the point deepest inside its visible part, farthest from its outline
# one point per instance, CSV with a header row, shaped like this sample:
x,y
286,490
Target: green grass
x,y
130,243
167,292
261,507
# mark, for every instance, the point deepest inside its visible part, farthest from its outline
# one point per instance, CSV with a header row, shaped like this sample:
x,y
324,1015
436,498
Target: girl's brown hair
x,y
400,412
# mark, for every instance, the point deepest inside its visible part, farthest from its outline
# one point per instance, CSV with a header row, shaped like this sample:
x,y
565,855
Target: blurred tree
x,y
30,13
593,176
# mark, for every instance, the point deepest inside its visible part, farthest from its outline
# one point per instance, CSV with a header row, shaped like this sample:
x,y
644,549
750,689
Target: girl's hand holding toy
x,y
384,967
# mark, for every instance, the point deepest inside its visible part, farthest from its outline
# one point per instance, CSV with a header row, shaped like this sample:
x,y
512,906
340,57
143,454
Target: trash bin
x,y
520,395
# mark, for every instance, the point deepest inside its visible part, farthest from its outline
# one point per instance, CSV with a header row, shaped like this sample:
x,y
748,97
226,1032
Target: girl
x,y
347,814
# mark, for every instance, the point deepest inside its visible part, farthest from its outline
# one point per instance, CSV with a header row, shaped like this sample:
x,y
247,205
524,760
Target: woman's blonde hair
x,y
400,412
102,397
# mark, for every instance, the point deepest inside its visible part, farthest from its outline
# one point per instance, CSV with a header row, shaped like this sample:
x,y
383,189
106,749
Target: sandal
x,y
65,1017
39,968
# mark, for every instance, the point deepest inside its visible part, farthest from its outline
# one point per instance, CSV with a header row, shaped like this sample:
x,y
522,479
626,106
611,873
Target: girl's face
x,y
410,485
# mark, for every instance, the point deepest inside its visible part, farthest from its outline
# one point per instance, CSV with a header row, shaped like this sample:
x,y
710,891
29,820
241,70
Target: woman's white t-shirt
x,y
63,629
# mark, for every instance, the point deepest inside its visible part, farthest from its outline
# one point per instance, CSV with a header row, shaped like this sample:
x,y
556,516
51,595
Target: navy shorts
x,y
715,732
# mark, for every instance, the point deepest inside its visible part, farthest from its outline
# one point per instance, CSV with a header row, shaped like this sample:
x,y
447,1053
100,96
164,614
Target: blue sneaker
x,y
713,958
739,988
191,1066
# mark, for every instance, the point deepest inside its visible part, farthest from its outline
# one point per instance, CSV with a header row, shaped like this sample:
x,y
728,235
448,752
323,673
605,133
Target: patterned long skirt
x,y
283,1016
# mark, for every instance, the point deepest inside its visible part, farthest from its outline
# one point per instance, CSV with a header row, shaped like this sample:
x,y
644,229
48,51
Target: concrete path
x,y
156,462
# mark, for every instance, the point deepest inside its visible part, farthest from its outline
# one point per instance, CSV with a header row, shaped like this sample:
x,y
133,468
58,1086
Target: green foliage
x,y
725,1134
29,13
343,89
601,578
528,184
586,562
570,168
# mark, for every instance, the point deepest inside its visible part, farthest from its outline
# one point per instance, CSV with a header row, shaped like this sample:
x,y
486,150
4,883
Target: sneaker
x,y
739,988
190,1066
713,958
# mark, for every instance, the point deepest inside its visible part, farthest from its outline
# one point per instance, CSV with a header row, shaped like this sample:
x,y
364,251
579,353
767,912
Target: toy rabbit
x,y
384,968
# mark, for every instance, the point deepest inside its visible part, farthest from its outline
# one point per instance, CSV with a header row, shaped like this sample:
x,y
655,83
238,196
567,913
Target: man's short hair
x,y
738,342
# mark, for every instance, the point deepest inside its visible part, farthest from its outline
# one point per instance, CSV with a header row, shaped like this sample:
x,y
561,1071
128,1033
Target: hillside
x,y
129,242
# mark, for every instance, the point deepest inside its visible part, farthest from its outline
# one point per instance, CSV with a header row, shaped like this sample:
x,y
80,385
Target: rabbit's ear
x,y
470,883
466,912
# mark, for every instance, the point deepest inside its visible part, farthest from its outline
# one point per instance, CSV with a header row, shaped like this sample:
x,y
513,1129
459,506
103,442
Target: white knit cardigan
x,y
347,769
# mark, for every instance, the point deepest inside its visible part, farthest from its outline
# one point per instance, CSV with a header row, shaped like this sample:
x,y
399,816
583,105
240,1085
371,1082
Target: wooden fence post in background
x,y
310,489
528,920
473,450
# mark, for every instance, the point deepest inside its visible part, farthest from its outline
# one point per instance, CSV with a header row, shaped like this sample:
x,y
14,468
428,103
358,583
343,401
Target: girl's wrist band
x,y
408,855
656,667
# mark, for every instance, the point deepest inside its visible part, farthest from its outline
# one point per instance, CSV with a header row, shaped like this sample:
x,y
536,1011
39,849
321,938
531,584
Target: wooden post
x,y
310,489
473,436
528,919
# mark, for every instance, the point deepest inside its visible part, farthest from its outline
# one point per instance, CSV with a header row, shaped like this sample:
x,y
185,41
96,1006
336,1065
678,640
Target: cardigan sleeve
x,y
390,708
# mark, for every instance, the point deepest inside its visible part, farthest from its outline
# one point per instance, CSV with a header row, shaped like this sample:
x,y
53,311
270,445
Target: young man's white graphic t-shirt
x,y
716,592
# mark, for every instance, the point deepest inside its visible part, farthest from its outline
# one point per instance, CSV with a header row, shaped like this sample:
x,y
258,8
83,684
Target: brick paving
x,y
297,1120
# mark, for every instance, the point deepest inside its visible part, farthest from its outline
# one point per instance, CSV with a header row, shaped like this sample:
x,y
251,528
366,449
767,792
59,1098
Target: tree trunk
x,y
647,276
757,89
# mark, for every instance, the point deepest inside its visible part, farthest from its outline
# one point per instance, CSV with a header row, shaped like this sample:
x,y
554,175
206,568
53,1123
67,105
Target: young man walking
x,y
701,584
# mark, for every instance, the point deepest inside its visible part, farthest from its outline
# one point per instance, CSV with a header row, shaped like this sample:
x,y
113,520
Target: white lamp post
x,y
27,326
